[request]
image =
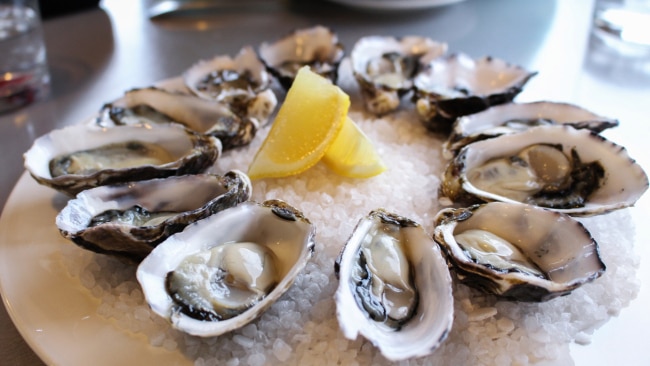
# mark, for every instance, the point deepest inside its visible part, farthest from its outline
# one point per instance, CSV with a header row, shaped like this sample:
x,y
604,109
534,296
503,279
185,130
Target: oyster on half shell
x,y
573,171
519,252
384,67
457,85
155,105
222,272
79,157
129,220
394,287
318,47
516,117
241,82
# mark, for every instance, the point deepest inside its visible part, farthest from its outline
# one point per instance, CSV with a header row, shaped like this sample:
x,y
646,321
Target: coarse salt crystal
x,y
243,341
482,314
281,350
256,359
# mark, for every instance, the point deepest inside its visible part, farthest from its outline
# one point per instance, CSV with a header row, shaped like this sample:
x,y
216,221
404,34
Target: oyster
x,y
79,157
318,47
520,252
158,106
394,287
516,117
129,220
384,68
222,272
457,85
242,83
573,171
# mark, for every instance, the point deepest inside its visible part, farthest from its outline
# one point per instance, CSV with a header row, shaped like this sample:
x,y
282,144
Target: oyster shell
x,y
242,83
79,157
457,85
158,106
572,171
209,297
394,287
318,47
519,252
384,68
516,117
129,220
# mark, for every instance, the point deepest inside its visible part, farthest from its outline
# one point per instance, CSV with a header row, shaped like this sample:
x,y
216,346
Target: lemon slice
x,y
352,153
306,125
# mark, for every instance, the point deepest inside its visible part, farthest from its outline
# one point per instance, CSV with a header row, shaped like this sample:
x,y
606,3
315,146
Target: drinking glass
x,y
24,76
625,21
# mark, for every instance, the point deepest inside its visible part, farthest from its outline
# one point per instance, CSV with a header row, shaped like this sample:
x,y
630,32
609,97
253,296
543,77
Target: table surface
x,y
97,54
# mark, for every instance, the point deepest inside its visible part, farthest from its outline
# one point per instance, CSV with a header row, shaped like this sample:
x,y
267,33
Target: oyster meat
x,y
519,252
318,47
394,287
222,272
79,157
155,105
516,117
457,85
384,68
573,171
241,82
129,220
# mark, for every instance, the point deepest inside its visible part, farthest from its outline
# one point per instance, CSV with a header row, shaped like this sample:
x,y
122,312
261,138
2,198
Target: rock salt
x,y
281,350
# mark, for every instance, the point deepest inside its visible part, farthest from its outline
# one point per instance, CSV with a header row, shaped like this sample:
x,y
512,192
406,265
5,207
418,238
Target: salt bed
x,y
301,328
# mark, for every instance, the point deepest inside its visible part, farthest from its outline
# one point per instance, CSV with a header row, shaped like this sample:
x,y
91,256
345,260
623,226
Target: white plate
x,y
60,318
395,4
56,316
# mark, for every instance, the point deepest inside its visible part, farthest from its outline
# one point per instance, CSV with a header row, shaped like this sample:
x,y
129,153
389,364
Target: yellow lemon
x,y
352,153
306,125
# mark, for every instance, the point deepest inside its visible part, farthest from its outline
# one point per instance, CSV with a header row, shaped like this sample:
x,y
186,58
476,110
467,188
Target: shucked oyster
x,y
158,106
394,287
573,171
79,157
129,220
520,252
223,271
384,67
457,85
318,47
516,117
242,83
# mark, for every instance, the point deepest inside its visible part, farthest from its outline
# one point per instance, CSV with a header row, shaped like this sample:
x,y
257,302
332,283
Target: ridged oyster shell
x,y
384,67
242,83
317,46
129,220
550,254
620,181
155,105
516,117
188,152
390,239
457,85
274,225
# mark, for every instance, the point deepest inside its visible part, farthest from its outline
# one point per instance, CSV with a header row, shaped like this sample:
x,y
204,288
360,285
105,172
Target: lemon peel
x,y
313,125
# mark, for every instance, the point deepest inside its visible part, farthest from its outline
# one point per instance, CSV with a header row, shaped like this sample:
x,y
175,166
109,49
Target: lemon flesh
x,y
352,153
306,125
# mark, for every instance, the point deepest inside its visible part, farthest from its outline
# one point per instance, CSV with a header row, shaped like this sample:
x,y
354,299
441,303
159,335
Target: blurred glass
x,y
24,75
624,24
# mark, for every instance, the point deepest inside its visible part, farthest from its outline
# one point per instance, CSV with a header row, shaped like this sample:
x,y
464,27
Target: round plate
x,y
395,4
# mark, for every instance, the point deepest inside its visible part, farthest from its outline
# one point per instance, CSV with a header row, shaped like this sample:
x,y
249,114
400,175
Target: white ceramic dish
x,y
54,314
395,4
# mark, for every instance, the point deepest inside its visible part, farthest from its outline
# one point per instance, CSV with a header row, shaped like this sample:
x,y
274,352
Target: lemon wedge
x,y
313,124
352,153
306,125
